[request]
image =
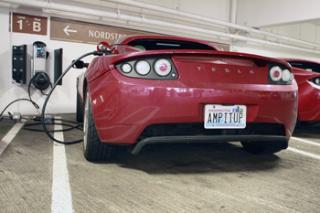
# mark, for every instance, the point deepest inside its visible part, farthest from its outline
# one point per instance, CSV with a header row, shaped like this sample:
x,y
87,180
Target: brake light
x,y
162,67
278,75
275,73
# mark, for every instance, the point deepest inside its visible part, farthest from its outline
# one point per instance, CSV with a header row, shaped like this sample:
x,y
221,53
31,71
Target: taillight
x,y
126,68
286,75
143,67
316,81
279,75
162,67
149,68
275,73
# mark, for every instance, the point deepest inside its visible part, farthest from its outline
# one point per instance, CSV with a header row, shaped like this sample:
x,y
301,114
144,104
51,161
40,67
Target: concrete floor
x,y
163,178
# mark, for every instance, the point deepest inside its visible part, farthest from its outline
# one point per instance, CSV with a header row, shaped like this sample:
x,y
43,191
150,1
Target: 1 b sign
x,y
22,23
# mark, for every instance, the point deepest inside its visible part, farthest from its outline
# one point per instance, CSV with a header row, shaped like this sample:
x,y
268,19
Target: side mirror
x,y
80,64
104,47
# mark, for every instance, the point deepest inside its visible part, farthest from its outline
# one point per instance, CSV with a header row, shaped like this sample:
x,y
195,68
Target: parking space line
x,y
6,140
306,141
61,192
308,154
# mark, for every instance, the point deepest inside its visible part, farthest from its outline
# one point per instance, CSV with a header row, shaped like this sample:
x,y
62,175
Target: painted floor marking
x,y
306,141
308,154
6,140
61,192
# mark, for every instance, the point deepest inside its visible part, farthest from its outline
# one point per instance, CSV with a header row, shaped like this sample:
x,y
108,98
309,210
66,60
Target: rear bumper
x,y
206,139
124,107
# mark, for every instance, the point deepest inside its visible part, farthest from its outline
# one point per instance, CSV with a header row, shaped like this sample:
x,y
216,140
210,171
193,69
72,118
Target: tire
x,y
93,149
79,112
265,147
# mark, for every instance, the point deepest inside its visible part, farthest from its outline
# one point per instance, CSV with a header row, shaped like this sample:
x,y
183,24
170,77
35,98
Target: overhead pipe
x,y
7,5
233,11
194,17
118,15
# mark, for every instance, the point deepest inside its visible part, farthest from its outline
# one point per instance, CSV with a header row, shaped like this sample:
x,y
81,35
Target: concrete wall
x,y
4,49
258,13
307,31
272,51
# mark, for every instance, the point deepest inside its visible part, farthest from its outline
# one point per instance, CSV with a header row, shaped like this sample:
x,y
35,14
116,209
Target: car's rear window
x,y
162,44
309,66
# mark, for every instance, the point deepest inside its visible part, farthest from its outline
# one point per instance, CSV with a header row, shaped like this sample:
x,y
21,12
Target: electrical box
x,y
19,64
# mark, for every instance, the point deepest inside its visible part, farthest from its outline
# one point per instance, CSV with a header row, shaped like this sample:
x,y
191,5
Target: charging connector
x,y
48,119
16,116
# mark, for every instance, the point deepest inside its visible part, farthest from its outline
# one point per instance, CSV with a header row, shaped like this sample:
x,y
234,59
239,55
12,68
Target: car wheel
x,y
93,149
265,147
79,113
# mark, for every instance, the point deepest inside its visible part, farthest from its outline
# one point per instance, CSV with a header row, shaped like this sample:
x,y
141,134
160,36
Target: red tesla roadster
x,y
165,89
307,75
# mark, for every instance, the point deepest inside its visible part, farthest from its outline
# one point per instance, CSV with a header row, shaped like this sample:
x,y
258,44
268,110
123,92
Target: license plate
x,y
225,117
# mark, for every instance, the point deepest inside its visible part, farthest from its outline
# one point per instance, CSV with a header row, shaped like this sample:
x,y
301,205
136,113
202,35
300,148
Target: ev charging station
x,y
39,76
32,67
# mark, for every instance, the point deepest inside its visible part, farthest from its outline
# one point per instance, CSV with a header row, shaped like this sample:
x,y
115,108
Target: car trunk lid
x,y
202,69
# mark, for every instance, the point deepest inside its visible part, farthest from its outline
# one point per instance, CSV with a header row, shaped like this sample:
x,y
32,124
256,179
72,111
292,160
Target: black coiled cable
x,y
44,124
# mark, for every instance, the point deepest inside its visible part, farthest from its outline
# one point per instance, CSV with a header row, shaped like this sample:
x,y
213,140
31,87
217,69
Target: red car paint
x,y
308,93
123,107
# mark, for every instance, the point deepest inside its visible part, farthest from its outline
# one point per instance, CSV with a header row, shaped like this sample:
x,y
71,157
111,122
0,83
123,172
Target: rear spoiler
x,y
259,60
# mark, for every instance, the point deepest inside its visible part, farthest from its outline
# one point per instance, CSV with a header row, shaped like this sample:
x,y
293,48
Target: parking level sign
x,y
22,23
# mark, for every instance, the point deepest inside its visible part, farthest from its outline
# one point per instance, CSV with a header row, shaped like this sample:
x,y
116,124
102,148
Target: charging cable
x,y
44,124
42,119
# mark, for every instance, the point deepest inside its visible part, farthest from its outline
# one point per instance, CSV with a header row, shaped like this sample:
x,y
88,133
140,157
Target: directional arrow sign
x,y
84,32
67,30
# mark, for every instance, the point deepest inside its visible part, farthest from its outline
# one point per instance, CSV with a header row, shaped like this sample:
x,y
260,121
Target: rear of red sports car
x,y
157,89
307,75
